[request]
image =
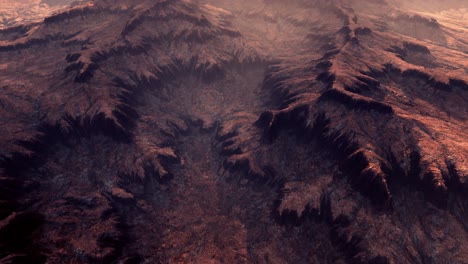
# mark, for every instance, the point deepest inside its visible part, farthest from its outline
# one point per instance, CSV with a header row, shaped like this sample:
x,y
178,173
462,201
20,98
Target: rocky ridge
x,y
245,132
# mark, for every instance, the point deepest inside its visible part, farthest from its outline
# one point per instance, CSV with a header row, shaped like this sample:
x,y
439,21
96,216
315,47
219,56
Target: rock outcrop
x,y
203,131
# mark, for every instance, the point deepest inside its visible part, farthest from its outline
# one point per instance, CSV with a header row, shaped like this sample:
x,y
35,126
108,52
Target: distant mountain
x,y
248,131
431,5
14,12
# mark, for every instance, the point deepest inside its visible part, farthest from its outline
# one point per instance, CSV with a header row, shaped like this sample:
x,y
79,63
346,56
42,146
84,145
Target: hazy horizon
x,y
16,12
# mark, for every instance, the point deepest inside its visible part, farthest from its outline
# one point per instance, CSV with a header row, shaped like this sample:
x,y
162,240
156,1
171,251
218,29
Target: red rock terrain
x,y
219,131
17,12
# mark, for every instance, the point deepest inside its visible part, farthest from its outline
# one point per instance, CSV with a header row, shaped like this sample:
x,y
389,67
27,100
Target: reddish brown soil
x,y
260,131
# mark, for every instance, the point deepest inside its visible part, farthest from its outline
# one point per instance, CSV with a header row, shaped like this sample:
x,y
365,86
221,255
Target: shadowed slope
x,y
237,131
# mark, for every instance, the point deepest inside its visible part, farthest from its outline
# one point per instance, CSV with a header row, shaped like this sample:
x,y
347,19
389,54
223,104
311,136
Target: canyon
x,y
248,131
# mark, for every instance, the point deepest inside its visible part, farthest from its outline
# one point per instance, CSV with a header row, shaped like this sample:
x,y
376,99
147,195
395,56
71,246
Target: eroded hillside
x,y
15,12
177,131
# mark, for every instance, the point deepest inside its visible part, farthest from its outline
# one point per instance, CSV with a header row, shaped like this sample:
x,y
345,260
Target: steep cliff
x,y
216,131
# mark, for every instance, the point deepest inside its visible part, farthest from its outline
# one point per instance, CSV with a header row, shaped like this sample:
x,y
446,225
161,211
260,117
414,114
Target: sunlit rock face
x,y
430,5
16,12
222,131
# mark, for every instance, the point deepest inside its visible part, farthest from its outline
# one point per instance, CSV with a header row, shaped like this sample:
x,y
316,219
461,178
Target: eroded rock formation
x,y
177,131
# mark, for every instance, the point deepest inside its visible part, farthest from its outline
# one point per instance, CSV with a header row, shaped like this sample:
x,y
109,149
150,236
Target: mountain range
x,y
221,131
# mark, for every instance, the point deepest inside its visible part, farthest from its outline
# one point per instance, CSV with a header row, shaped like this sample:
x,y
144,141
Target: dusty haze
x,y
223,131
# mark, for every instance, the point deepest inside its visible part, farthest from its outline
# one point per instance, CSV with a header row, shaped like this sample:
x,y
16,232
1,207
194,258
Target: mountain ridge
x,y
244,132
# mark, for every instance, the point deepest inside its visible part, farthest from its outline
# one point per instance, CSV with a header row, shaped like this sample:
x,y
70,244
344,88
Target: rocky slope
x,y
17,12
216,131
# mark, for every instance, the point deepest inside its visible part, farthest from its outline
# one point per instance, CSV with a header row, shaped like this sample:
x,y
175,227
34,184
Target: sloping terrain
x,y
18,12
218,131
